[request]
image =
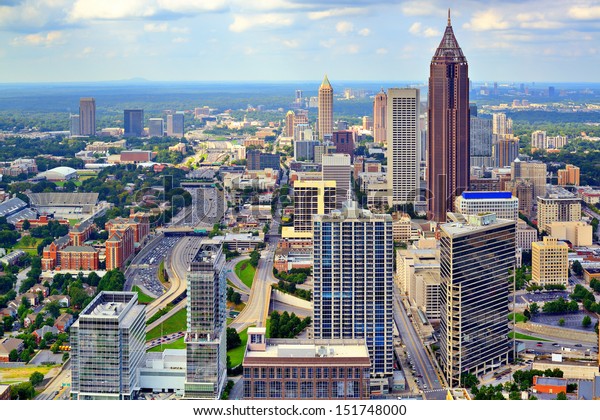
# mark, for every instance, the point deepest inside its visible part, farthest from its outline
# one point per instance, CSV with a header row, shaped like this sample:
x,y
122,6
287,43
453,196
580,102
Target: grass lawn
x,y
519,317
268,326
32,244
176,323
143,298
21,374
73,222
177,344
520,336
236,355
245,272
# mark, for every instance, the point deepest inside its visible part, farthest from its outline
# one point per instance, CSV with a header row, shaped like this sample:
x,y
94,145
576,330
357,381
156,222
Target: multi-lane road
x,y
425,371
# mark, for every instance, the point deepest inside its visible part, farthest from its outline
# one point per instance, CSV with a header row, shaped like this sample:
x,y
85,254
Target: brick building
x,y
79,258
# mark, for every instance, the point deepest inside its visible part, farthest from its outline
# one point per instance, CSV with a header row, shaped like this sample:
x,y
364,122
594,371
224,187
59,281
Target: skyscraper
x,y
325,109
481,141
475,259
289,124
353,281
156,127
448,145
108,344
336,167
403,138
175,124
506,145
133,121
87,117
310,198
205,339
380,118
74,125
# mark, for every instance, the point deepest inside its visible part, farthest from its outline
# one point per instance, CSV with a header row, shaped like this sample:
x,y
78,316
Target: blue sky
x,y
274,40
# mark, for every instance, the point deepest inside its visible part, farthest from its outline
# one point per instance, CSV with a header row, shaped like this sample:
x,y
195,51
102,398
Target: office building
x,y
304,150
353,281
253,160
505,151
87,117
380,118
403,139
323,149
175,124
206,338
558,205
336,167
270,160
579,234
311,198
569,175
344,142
367,123
133,121
481,141
289,124
476,256
325,122
156,127
286,369
448,143
526,235
74,128
502,203
550,262
107,347
532,171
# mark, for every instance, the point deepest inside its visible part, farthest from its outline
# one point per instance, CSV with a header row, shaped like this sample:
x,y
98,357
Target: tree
x,y
561,322
534,309
577,268
36,378
586,321
233,339
561,396
26,224
468,380
254,257
53,308
22,391
13,356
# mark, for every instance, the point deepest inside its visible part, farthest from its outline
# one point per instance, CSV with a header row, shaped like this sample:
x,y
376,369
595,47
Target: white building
x,y
500,202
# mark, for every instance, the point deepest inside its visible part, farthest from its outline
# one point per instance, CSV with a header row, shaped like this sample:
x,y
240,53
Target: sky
x,y
288,40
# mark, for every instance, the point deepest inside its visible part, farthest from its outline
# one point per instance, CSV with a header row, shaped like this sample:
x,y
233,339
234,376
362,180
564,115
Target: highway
x,y
417,353
53,389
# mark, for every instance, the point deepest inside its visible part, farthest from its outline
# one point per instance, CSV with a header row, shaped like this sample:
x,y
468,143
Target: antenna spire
x,y
449,21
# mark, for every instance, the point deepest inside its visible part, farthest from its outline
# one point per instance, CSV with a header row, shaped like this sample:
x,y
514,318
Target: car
x,y
578,345
539,344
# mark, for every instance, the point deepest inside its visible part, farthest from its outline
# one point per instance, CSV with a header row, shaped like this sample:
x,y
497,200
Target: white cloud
x,y
180,40
422,8
352,49
87,51
415,28
430,32
344,11
242,23
41,39
328,43
290,43
110,10
344,27
156,27
381,51
487,20
191,6
543,24
180,30
584,12
250,51
364,32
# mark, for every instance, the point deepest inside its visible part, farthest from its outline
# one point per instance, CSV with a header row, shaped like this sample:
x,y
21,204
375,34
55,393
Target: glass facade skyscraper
x,y
353,281
476,256
206,340
108,345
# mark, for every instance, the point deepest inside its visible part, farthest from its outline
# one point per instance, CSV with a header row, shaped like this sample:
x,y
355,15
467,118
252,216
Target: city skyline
x,y
159,40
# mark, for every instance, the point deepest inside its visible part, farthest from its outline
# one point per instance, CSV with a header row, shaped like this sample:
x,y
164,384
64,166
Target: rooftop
x,y
293,348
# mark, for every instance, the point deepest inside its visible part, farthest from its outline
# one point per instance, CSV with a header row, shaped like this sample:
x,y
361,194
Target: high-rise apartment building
x,y
502,203
87,117
403,140
476,256
108,345
156,127
558,205
448,143
205,339
175,124
569,176
505,144
133,120
305,150
538,139
532,171
353,281
380,118
325,123
336,167
550,262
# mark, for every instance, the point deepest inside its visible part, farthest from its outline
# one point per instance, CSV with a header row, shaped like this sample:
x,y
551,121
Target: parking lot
x,y
544,296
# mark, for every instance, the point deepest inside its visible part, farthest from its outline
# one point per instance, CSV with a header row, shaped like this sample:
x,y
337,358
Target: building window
x,y
259,389
275,389
291,390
